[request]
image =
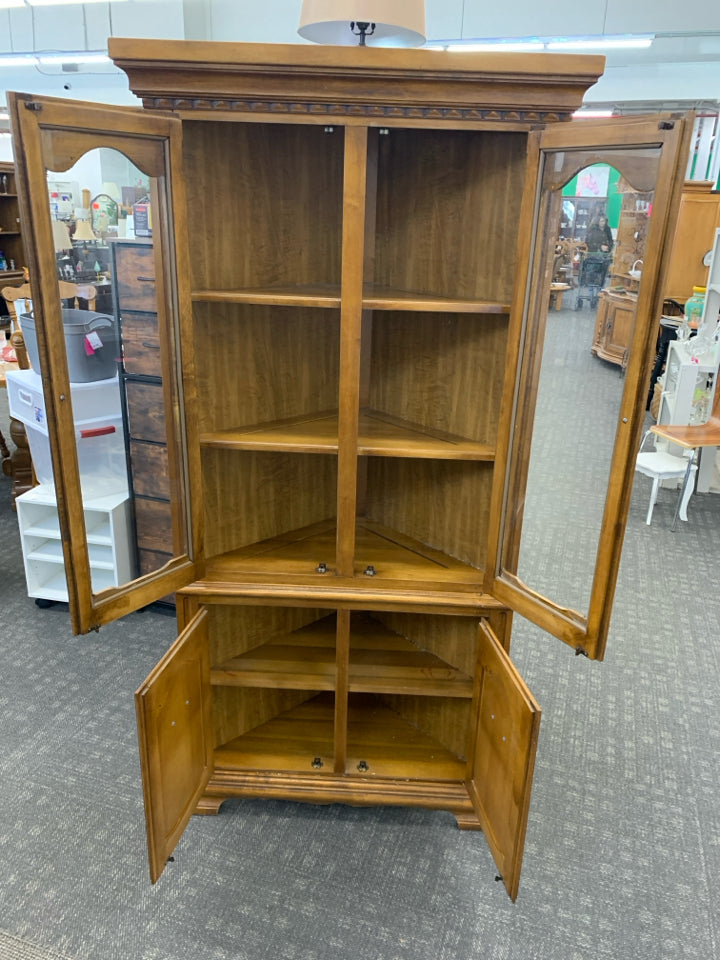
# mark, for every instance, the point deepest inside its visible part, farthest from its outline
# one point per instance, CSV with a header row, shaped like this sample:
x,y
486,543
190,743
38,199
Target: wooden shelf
x,y
301,660
387,298
377,737
379,434
390,746
301,296
294,557
327,296
290,741
381,661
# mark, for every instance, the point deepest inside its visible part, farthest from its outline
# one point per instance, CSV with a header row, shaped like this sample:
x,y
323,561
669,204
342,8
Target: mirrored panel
x,y
593,217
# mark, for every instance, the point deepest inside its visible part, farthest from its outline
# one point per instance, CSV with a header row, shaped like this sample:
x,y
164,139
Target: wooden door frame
x,y
45,126
587,634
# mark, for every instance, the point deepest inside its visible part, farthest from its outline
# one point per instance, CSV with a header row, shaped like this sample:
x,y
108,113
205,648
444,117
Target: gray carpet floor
x,y
622,860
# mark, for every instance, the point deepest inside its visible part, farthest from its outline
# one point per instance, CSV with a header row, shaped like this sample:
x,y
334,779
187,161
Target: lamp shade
x,y
398,23
61,236
83,231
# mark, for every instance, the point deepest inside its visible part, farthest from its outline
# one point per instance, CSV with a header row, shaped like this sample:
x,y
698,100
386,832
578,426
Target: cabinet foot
x,y
209,806
467,821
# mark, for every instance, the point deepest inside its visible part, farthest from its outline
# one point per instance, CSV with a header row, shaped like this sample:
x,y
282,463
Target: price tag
x,y
92,342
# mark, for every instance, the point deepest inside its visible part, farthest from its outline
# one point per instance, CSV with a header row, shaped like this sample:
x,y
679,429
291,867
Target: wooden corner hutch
x,y
350,283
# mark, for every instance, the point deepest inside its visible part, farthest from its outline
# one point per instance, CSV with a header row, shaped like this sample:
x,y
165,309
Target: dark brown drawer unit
x,y
141,344
134,275
143,405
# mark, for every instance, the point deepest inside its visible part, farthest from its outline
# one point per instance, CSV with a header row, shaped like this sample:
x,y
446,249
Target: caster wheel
x,y
44,603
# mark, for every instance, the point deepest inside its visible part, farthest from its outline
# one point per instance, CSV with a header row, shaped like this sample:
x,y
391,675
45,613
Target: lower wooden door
x,y
334,705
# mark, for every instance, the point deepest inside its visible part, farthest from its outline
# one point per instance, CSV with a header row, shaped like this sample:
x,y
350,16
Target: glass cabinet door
x,y
569,438
101,198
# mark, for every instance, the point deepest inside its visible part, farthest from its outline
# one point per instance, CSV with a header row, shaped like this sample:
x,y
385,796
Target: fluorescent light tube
x,y
63,3
600,43
511,46
18,60
592,114
6,4
59,58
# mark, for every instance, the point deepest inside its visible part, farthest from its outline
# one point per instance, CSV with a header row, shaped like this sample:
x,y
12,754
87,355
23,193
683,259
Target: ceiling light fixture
x,y
53,58
60,58
498,46
600,43
7,4
62,3
18,60
540,44
592,114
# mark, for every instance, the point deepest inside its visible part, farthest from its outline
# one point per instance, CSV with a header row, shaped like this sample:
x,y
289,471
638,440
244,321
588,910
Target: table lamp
x,y
390,23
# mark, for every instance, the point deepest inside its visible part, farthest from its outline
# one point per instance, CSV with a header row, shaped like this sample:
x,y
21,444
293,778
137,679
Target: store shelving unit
x,y
107,522
11,240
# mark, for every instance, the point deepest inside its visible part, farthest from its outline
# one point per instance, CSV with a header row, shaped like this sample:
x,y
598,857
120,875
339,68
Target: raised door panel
x,y
175,738
504,758
620,331
697,221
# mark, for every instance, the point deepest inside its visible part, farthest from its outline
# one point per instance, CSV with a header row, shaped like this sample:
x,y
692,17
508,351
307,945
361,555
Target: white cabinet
x,y
689,386
687,399
108,525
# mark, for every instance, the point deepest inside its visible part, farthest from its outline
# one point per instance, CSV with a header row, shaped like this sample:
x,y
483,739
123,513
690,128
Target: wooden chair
x,y
692,439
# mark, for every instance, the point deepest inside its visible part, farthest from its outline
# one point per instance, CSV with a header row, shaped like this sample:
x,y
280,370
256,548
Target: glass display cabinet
x,y
350,266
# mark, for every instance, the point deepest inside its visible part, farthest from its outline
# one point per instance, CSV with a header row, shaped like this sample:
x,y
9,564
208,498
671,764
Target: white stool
x,y
661,465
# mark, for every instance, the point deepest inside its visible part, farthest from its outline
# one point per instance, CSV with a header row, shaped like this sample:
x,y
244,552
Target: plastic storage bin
x,y
91,342
99,432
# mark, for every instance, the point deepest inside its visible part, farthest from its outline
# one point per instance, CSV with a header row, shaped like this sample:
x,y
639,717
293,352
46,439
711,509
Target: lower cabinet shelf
x,y
380,743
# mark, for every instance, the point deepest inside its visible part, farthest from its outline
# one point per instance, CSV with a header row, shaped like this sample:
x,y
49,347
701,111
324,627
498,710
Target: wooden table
x,y
556,293
693,438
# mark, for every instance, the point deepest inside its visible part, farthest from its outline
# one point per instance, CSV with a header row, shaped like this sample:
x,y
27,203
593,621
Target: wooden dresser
x,y
133,272
352,260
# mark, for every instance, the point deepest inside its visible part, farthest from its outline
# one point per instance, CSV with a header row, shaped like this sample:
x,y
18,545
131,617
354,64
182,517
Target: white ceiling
x,y
682,67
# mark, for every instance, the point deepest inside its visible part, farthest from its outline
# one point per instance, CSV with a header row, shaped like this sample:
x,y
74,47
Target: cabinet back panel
x,y
257,364
444,371
443,504
448,211
236,629
236,710
444,718
253,496
453,639
265,203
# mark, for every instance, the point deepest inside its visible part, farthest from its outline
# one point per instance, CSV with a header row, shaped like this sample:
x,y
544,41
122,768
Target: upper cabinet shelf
x,y
316,296
373,298
379,435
